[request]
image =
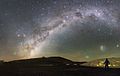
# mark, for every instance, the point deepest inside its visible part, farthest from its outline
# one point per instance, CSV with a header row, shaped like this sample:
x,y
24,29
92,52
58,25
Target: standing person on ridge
x,y
106,63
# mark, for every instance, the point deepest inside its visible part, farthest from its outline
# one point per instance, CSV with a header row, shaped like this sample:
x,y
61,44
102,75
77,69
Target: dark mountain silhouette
x,y
53,61
43,60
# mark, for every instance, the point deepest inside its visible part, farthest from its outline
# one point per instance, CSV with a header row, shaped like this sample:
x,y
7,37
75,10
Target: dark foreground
x,y
57,71
53,66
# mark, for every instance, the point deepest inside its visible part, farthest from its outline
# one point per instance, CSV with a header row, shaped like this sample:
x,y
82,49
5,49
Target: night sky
x,y
79,30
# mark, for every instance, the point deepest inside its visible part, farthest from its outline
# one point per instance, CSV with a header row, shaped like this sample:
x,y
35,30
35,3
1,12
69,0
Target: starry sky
x,y
80,30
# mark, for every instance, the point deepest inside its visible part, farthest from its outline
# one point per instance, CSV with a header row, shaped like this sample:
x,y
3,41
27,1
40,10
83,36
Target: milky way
x,y
79,30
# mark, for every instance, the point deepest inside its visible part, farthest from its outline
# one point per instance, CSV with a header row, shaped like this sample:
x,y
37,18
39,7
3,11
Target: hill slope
x,y
114,63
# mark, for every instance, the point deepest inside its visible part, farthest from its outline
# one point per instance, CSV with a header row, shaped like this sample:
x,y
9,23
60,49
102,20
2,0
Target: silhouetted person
x,y
106,63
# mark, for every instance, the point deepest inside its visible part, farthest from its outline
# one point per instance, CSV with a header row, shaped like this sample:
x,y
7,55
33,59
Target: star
x,y
103,48
117,45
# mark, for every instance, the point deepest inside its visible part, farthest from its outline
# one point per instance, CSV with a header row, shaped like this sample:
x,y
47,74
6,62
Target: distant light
x,y
75,64
67,64
97,65
114,65
117,61
87,57
109,65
